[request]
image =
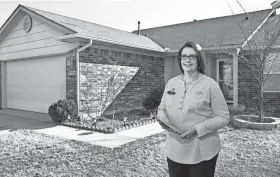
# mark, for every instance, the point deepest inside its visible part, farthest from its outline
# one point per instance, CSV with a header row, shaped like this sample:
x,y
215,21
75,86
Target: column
x,y
235,80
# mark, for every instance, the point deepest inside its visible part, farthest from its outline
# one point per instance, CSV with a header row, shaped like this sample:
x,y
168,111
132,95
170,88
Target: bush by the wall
x,y
236,110
70,106
62,109
57,113
152,101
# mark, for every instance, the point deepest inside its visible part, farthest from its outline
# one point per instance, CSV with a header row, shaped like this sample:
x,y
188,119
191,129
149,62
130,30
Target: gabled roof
x,y
220,31
98,32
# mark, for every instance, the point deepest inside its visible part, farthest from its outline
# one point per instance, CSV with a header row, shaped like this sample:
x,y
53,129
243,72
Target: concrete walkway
x,y
13,119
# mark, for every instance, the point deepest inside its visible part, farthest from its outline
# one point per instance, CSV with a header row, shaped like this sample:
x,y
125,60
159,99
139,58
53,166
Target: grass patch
x,y
246,153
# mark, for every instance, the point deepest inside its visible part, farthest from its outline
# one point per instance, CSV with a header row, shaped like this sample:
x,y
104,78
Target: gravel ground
x,y
246,153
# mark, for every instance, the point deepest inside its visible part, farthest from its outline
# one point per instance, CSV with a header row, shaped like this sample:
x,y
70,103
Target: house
x,y
39,50
221,38
43,55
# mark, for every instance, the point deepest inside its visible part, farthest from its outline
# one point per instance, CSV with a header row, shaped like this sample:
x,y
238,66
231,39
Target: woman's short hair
x,y
200,58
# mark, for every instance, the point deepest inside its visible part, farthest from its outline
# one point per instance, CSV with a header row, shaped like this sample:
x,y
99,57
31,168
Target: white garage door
x,y
35,84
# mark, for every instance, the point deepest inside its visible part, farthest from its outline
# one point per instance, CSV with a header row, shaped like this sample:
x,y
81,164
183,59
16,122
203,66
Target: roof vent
x,y
246,18
138,28
194,20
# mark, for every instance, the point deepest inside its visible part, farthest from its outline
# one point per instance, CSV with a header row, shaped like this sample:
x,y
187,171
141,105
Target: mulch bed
x,y
246,153
106,124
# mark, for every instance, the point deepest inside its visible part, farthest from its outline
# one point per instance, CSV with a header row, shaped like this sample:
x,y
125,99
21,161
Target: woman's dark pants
x,y
202,169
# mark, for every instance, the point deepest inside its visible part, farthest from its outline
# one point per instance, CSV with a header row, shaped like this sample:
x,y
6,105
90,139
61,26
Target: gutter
x,y
76,35
78,73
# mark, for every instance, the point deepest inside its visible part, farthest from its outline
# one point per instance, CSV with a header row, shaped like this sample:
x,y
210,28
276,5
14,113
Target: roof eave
x,y
81,38
207,49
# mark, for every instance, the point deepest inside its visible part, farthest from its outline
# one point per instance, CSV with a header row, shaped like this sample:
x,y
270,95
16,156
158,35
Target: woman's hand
x,y
189,133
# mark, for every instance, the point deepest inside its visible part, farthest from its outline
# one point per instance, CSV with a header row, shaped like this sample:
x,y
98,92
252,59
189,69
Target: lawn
x,y
246,153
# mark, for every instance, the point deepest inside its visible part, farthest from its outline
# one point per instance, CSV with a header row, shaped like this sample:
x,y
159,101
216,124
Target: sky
x,y
124,14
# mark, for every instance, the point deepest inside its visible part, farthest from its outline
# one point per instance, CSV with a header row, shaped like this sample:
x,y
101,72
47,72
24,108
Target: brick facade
x,y
149,76
247,90
0,85
71,75
248,93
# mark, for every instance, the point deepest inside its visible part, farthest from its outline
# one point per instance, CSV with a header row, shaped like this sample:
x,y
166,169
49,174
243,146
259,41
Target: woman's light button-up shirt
x,y
203,106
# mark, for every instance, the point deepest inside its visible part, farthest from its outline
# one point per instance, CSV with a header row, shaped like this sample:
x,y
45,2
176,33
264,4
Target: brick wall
x,y
71,75
0,86
248,92
150,74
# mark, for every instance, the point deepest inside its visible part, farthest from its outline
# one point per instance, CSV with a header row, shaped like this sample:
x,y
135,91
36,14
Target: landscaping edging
x,y
109,130
240,123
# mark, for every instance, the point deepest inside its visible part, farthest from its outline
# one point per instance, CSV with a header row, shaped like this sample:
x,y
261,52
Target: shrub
x,y
237,110
57,113
70,106
61,110
152,101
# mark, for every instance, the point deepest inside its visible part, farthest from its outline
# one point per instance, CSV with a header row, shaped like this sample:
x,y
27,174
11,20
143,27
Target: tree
x,y
100,85
256,52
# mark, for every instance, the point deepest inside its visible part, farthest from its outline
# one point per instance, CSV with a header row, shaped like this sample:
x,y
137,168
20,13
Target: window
x,y
273,67
225,77
273,83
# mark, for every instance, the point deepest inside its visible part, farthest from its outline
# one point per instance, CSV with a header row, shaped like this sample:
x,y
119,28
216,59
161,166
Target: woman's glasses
x,y
191,57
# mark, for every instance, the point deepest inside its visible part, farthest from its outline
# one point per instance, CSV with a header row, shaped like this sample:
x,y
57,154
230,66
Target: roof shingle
x,y
100,32
220,31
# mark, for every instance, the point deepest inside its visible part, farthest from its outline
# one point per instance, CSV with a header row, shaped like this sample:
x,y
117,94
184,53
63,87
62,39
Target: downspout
x,y
78,74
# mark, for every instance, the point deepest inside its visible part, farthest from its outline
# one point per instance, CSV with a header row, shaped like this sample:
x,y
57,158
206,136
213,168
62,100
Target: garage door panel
x,y
32,78
21,104
35,84
56,84
38,93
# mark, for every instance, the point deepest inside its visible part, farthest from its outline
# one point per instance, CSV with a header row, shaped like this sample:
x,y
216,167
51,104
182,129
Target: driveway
x,y
14,119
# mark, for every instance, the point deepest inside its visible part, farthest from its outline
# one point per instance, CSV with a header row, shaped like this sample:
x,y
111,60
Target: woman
x,y
194,108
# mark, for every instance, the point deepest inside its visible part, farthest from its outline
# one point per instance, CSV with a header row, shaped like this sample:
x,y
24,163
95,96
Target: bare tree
x,y
257,52
100,92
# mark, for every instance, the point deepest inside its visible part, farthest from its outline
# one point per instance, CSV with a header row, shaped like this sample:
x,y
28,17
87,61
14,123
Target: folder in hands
x,y
166,122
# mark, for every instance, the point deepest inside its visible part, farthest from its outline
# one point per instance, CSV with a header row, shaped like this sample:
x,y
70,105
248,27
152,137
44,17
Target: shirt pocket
x,y
169,100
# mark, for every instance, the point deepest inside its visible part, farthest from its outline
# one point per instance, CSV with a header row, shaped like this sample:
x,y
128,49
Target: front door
x,y
225,78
